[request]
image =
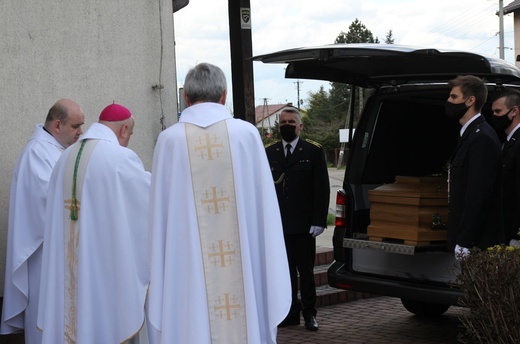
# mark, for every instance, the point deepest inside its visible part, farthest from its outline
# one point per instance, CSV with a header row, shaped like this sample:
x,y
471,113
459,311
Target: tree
x,y
389,37
327,111
357,33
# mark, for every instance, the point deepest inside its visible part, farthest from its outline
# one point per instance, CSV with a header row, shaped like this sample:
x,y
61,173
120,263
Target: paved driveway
x,y
375,321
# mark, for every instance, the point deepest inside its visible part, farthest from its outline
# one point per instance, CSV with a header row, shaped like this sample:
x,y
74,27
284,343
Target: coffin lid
x,y
416,187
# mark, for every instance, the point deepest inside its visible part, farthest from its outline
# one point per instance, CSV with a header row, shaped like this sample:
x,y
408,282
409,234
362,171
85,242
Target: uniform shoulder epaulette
x,y
271,143
314,143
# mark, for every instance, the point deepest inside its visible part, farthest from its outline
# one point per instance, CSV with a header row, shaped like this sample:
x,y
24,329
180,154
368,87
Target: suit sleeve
x,y
516,209
483,161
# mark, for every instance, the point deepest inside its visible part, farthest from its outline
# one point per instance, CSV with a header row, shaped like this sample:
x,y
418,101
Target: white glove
x,y
316,230
461,252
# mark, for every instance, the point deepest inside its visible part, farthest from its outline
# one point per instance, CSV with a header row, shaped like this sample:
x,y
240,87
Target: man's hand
x,y
316,230
461,252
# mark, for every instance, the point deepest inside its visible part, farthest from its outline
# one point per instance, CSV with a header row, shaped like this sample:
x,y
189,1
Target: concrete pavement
x,y
375,320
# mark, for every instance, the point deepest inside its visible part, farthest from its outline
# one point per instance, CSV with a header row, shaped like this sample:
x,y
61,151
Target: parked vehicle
x,y
402,131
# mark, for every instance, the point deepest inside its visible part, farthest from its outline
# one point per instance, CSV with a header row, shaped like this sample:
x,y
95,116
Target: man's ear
x,y
186,100
222,99
56,126
123,131
472,100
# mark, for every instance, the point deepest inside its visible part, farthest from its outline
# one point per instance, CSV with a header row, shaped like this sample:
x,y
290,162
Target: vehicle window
x,y
411,138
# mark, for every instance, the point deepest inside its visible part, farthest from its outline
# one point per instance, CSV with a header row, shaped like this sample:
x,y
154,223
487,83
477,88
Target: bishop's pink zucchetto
x,y
114,113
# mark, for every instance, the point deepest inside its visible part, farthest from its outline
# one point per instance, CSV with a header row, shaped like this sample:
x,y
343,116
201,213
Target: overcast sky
x,y
202,33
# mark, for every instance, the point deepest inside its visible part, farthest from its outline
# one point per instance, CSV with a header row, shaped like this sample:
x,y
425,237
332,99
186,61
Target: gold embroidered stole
x,y
75,169
214,193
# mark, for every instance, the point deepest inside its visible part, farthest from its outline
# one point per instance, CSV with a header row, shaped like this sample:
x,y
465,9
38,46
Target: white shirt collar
x,y
293,143
512,132
468,123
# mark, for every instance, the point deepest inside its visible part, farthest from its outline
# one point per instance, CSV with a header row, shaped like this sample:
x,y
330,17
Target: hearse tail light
x,y
341,204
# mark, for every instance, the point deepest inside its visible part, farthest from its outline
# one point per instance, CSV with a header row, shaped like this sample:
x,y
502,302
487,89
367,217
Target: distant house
x,y
514,7
267,116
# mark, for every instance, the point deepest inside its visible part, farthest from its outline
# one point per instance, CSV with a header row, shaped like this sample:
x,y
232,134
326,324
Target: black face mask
x,y
502,122
455,111
288,132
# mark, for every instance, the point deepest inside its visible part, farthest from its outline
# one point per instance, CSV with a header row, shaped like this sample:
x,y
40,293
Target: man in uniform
x,y
300,174
94,271
506,117
28,197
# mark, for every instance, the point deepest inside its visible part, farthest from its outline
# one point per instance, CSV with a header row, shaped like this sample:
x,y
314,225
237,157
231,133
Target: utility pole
x,y
501,28
298,92
241,64
265,113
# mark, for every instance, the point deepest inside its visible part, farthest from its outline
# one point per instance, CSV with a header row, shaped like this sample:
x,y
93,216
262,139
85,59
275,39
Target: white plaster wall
x,y
91,51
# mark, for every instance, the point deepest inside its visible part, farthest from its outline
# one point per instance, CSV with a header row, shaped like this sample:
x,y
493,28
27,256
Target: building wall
x,y
92,51
269,121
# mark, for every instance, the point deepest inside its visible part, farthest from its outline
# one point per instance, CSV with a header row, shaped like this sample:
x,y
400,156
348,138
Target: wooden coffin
x,y
413,210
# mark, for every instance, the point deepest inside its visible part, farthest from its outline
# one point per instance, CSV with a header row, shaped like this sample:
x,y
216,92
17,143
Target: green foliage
x,y
331,219
271,135
389,37
491,284
327,111
357,33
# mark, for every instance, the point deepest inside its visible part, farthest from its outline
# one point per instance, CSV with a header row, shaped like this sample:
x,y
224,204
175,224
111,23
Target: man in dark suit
x,y
302,185
473,183
506,118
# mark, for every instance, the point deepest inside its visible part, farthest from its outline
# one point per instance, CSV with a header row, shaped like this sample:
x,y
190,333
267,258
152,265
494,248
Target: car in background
x,y
402,131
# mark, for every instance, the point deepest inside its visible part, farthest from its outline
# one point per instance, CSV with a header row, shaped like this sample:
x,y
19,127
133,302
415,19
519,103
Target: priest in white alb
x,y
27,201
94,271
219,271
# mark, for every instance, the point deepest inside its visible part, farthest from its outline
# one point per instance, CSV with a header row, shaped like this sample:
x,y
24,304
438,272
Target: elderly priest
x,y
94,271
219,271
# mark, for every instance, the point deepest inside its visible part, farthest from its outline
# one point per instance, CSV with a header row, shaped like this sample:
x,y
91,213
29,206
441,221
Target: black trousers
x,y
301,251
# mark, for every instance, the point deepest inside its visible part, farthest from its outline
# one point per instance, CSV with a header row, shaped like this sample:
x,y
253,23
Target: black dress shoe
x,y
290,320
311,324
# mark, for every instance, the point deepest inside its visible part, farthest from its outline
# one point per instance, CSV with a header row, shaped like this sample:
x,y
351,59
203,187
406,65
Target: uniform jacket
x,y
302,185
510,179
473,196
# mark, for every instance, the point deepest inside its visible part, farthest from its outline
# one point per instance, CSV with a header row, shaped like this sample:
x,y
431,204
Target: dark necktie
x,y
288,155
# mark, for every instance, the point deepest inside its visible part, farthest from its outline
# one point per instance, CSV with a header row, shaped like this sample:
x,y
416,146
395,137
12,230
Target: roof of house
x,y
513,6
264,111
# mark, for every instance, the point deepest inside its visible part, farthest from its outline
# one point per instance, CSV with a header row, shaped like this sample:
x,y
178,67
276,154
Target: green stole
x,y
75,169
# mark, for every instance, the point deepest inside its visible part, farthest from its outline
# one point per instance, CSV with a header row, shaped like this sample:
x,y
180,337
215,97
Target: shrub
x,y
490,281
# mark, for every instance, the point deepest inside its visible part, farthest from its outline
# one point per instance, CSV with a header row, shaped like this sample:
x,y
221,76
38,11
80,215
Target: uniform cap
x,y
114,112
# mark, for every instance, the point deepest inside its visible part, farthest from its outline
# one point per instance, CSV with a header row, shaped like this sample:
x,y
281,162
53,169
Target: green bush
x,y
331,219
491,284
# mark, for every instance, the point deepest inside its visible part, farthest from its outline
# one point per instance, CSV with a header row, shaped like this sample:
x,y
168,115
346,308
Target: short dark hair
x,y
512,97
471,86
57,112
